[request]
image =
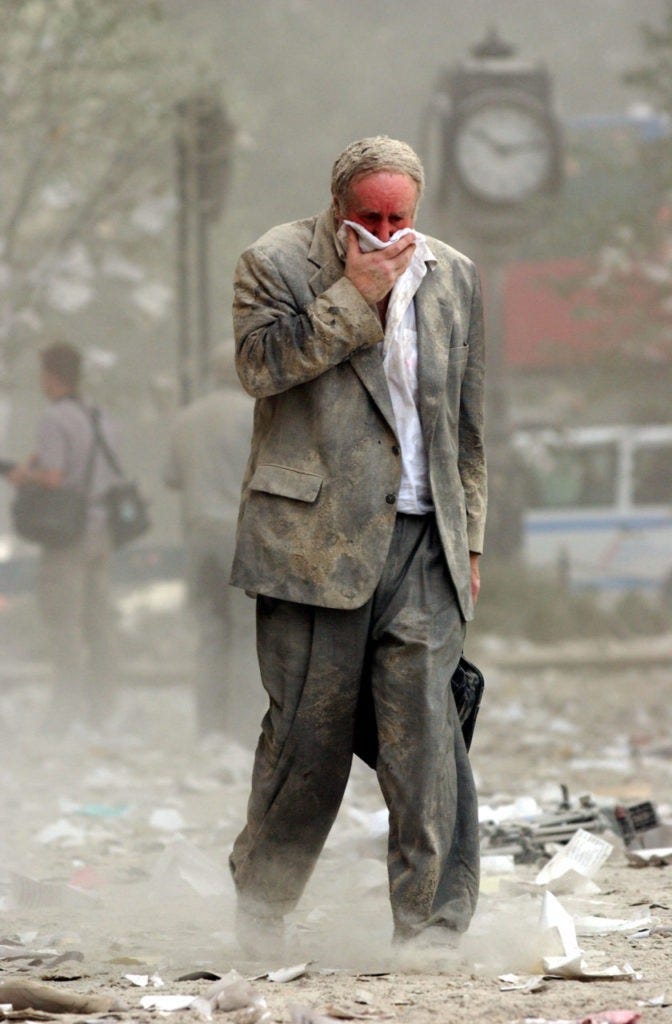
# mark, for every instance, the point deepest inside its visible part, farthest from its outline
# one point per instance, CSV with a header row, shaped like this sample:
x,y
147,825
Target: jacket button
x,y
390,499
396,449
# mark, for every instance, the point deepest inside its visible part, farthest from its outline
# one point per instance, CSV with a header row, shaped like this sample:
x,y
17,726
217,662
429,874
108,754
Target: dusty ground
x,y
115,846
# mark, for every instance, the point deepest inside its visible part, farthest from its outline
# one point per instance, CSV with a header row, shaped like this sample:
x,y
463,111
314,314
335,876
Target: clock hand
x,y
527,145
500,146
480,133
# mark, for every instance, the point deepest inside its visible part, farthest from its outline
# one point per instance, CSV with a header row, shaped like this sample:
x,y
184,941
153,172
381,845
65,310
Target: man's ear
x,y
336,211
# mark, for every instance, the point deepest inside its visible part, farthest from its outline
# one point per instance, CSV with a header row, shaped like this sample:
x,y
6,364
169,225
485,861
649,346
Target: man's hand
x,y
29,474
475,575
18,476
374,273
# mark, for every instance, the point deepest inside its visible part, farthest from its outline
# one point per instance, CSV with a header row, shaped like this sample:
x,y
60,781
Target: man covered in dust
x,y
360,529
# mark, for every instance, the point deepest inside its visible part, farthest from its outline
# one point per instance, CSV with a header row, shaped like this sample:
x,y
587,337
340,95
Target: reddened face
x,y
382,202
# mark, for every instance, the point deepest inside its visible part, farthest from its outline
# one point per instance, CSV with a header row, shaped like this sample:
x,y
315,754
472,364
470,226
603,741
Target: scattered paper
x,y
143,980
571,964
574,865
555,919
662,1001
285,974
608,925
168,1003
576,968
521,983
657,857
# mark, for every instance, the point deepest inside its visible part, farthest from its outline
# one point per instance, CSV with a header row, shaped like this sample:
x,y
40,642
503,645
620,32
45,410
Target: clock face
x,y
503,151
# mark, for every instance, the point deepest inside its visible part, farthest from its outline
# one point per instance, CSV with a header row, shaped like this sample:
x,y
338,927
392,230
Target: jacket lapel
x,y
434,321
368,365
367,362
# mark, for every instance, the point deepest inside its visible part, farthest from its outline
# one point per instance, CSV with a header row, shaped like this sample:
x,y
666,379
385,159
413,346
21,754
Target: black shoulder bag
x,y
126,508
53,516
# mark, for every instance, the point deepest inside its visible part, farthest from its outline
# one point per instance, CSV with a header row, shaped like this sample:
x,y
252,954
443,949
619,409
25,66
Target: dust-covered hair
x,y
367,156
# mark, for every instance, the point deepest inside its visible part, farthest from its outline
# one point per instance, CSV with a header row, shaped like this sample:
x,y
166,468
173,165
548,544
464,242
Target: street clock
x,y
504,148
493,141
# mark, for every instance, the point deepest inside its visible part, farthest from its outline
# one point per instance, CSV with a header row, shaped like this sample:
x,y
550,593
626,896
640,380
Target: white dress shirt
x,y
400,362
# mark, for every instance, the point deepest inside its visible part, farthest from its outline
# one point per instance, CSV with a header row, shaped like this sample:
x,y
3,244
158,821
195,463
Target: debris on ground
x,y
115,877
23,994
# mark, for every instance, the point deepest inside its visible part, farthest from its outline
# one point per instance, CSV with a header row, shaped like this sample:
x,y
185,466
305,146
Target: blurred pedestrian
x,y
73,580
360,529
208,450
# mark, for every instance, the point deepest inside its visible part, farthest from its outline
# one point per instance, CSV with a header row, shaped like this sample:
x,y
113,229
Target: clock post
x,y
494,152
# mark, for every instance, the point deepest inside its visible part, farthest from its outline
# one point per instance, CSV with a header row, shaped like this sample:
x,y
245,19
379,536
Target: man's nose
x,y
384,232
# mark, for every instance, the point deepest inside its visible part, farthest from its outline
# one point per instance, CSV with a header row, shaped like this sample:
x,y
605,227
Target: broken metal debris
x,y
528,836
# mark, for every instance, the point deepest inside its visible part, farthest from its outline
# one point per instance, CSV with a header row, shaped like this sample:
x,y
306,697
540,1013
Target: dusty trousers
x,y
404,644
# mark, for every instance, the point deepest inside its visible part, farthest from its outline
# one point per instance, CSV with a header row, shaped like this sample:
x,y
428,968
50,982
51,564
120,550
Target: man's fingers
x,y
374,273
390,252
398,264
401,246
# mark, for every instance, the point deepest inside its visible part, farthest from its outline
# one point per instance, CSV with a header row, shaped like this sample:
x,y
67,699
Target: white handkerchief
x,y
369,242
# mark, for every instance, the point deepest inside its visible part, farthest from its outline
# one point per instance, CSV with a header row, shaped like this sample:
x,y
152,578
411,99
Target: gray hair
x,y
367,156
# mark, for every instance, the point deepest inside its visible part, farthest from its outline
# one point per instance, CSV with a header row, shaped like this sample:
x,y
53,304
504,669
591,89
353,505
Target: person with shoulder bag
x,y
59,505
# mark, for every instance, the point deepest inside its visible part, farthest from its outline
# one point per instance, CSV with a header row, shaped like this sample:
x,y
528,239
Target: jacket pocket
x,y
457,355
288,483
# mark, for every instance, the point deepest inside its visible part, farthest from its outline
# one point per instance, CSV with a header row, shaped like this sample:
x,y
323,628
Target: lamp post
x,y
497,159
203,144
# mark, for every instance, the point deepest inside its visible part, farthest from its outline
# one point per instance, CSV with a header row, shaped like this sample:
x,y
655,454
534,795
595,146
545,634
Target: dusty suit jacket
x,y
319,494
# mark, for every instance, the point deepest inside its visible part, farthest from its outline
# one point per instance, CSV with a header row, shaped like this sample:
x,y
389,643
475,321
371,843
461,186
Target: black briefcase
x,y
468,685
